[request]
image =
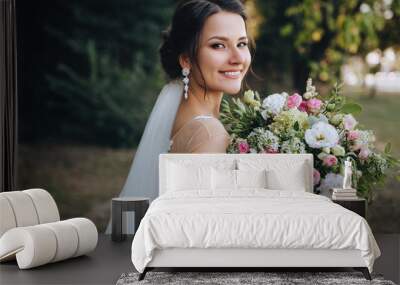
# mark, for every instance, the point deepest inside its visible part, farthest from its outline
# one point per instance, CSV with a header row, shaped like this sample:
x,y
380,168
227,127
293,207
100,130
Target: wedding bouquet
x,y
308,123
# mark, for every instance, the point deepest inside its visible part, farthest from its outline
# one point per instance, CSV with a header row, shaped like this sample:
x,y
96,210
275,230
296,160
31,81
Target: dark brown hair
x,y
183,35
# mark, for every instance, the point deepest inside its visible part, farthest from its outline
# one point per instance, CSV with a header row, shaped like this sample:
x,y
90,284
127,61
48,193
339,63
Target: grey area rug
x,y
231,278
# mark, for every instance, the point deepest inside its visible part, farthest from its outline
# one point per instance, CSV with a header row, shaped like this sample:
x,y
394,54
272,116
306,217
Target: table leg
x,y
116,232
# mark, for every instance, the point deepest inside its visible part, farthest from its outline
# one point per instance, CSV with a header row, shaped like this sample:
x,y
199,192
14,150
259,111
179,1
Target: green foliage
x,y
326,31
100,73
374,172
239,118
388,148
120,28
351,108
319,35
111,103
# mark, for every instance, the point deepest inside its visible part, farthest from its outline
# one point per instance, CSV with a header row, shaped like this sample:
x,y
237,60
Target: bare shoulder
x,y
208,136
202,134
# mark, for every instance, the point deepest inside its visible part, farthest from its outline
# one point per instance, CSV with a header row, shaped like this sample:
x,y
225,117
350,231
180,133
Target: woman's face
x,y
223,53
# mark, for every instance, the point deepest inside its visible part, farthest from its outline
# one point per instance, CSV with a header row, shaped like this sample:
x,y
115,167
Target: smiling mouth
x,y
231,74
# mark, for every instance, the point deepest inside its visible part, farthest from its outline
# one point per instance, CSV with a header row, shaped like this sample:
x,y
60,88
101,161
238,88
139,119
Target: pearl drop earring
x,y
185,73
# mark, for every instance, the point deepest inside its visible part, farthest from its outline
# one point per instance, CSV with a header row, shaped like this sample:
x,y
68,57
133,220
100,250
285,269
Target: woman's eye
x,y
217,46
220,46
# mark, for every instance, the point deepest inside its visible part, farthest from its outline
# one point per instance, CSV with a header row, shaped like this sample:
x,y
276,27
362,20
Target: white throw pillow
x,y
284,172
223,179
182,177
293,180
251,178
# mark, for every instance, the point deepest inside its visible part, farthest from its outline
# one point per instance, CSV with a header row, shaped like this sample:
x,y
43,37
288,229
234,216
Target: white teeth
x,y
232,73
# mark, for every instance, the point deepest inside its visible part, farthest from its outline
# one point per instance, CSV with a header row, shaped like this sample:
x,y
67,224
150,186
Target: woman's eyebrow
x,y
226,39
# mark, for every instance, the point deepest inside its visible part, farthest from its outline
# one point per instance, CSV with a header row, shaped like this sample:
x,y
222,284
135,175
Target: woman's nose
x,y
236,56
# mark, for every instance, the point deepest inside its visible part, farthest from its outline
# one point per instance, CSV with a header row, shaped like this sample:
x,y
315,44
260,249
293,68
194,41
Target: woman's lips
x,y
231,74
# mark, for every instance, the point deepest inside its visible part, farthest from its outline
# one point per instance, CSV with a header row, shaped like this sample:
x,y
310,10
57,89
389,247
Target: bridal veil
x,y
142,179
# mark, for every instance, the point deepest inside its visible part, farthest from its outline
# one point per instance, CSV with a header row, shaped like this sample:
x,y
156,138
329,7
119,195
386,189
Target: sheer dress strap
x,y
194,118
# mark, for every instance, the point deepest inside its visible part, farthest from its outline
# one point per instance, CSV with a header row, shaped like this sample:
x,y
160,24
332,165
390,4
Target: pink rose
x,y
316,176
329,160
352,135
243,147
364,153
303,106
314,105
294,101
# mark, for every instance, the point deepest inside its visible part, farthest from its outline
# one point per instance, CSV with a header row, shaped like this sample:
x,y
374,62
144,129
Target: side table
x,y
123,204
358,206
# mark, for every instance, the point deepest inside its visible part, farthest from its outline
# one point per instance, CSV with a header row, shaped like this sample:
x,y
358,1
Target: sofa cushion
x,y
23,208
45,243
45,206
26,208
7,220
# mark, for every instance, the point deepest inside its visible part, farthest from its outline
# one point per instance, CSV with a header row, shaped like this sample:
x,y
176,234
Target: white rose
x,y
321,135
274,103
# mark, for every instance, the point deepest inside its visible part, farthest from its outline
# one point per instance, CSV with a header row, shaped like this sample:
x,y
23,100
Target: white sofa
x,y
290,172
31,231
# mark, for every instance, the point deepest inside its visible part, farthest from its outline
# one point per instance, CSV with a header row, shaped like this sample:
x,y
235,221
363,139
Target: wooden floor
x,y
110,260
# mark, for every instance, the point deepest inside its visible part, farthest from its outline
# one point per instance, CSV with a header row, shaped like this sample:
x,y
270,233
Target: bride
x,y
205,53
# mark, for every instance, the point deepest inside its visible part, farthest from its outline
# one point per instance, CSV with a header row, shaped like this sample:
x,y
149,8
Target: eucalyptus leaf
x,y
388,148
296,126
351,108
